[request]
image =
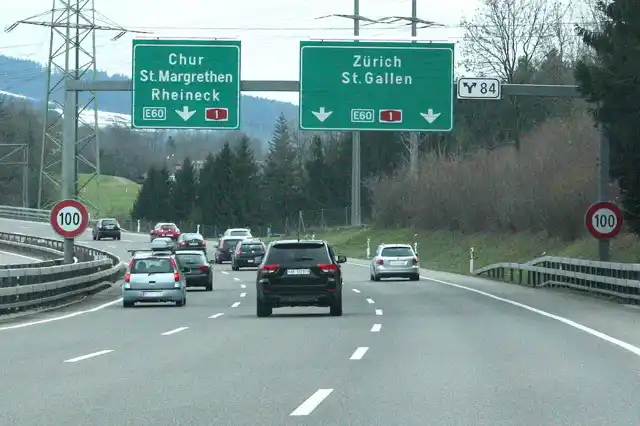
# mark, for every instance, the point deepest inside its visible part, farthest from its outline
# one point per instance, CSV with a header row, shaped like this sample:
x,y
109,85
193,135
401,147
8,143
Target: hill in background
x,y
29,78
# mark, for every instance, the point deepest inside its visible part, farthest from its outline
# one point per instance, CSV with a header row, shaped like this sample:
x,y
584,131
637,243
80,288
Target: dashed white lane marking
x,y
376,328
243,294
235,305
112,247
94,354
225,272
359,353
71,315
607,338
311,403
8,253
370,301
379,312
355,290
237,279
174,331
214,316
243,286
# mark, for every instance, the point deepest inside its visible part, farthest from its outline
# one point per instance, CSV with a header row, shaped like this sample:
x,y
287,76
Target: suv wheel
x,y
263,310
127,304
415,277
336,308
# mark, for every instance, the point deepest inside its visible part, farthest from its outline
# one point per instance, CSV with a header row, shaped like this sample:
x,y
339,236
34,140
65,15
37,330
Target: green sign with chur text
x,y
376,86
186,84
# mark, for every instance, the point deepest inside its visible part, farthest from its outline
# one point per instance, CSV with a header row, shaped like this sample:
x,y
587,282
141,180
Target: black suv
x,y
106,228
299,273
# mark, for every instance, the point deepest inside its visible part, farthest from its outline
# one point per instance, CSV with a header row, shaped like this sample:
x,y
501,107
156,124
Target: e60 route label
x,y
69,218
604,220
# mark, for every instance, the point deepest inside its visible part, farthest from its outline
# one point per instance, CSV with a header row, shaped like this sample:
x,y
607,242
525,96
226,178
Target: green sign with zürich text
x,y
360,86
186,84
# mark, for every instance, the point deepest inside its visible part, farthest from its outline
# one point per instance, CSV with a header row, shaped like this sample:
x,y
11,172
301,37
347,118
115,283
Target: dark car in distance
x,y
198,272
248,253
192,241
107,228
299,273
226,246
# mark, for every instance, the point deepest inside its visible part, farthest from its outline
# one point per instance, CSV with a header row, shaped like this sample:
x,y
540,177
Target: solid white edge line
x,y
595,333
175,330
21,255
376,328
311,403
71,315
370,301
355,290
91,355
379,312
235,305
359,353
243,294
214,316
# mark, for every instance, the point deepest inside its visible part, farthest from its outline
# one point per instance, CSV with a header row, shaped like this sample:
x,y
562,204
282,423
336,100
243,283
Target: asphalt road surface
x,y
446,350
9,258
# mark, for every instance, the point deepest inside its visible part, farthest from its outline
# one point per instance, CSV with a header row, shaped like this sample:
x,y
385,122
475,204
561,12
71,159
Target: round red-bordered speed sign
x,y
69,218
604,220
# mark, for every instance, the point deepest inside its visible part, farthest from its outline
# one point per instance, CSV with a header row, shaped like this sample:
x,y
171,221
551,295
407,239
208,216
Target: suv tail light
x,y
127,278
328,267
203,267
181,243
415,260
176,276
270,269
238,251
204,243
379,261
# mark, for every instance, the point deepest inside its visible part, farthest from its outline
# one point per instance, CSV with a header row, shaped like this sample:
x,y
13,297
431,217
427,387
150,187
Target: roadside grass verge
x,y
115,195
449,251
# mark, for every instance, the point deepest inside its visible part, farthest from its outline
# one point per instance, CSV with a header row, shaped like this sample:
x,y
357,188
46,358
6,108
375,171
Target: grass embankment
x,y
449,251
113,194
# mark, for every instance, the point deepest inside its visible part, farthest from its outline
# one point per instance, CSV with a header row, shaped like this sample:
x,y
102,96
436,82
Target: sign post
x,y
69,219
604,220
186,84
360,86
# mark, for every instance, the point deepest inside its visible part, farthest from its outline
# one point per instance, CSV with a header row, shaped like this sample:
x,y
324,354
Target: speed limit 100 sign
x,y
69,218
603,220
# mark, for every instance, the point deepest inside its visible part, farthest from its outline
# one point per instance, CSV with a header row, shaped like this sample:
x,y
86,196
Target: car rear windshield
x,y
230,243
151,266
192,259
239,233
298,253
252,246
109,222
192,237
168,226
396,252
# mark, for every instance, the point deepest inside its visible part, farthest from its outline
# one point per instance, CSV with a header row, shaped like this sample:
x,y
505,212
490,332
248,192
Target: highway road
x,y
9,258
445,350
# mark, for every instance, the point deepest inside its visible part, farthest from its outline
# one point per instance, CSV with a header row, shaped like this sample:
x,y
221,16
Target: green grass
x,y
449,251
116,195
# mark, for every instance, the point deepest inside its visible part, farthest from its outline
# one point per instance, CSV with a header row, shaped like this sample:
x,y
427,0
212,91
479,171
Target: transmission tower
x,y
72,55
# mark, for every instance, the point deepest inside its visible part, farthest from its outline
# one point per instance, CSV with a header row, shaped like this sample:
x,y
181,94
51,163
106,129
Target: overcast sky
x,y
269,29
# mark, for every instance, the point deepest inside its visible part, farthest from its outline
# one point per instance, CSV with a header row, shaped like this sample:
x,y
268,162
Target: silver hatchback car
x,y
154,276
395,261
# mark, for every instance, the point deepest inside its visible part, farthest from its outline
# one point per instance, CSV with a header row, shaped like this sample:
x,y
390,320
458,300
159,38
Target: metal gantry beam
x,y
17,154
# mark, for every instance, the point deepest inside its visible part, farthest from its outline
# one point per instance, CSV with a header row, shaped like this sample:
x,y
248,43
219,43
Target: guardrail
x,y
620,280
32,215
34,285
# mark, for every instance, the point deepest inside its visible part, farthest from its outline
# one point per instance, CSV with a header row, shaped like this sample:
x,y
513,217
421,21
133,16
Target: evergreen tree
x,y
141,206
318,186
611,84
154,199
224,186
184,191
206,200
246,181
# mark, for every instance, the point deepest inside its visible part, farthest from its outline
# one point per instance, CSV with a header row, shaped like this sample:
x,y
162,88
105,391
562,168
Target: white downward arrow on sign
x,y
430,116
185,113
322,114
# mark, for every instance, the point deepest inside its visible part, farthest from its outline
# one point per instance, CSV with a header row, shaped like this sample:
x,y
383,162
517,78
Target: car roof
x,y
396,245
189,252
237,229
285,242
107,218
144,254
251,241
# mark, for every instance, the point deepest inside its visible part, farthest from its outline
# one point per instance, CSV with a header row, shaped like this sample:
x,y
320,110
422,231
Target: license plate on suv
x,y
298,271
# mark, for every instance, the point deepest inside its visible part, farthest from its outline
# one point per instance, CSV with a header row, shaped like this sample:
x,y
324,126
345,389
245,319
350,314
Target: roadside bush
x,y
546,187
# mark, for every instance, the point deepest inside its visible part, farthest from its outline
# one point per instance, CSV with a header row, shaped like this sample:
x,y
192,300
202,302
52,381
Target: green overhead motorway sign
x,y
376,86
186,84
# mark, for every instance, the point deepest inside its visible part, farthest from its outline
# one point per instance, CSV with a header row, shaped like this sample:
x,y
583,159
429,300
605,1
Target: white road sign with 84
x,y
479,88
69,218
604,221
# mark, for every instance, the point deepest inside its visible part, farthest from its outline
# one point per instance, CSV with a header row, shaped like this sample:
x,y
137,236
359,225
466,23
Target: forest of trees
x,y
519,164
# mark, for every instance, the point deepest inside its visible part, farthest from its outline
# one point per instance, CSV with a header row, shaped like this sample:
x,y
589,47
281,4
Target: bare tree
x,y
504,33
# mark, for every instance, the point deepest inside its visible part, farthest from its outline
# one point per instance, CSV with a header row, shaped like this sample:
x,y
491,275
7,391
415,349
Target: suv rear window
x,y
239,233
396,252
231,243
151,265
252,246
191,237
298,253
109,222
192,259
168,226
